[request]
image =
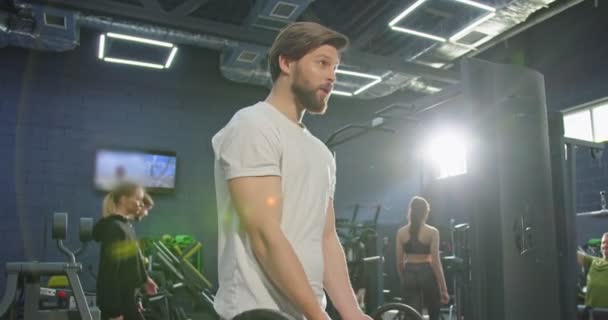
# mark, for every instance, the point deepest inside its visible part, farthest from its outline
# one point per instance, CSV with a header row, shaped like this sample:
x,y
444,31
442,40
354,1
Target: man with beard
x,y
278,247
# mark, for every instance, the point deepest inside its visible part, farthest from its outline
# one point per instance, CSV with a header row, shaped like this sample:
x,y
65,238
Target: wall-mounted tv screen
x,y
155,170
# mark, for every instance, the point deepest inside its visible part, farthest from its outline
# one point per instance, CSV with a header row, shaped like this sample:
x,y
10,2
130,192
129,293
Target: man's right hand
x,y
117,318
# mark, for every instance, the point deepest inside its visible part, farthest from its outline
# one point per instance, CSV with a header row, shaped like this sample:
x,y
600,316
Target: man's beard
x,y
307,97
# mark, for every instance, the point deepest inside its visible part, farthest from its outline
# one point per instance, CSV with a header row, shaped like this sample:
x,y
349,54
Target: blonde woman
x,y
108,207
121,267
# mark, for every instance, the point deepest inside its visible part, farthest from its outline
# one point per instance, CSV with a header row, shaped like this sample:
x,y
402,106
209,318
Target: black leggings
x,y
130,310
419,288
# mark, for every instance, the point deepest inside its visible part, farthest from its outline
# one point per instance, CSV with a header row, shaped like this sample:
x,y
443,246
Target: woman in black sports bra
x,y
418,262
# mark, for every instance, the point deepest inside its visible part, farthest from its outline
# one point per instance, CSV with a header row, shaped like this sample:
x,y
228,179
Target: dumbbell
x,y
263,314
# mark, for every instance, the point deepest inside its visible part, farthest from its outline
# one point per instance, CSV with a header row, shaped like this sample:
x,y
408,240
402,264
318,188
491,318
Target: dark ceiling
x,y
566,48
364,21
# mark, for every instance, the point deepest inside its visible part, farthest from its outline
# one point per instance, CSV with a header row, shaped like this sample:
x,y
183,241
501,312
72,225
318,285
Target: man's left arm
x,y
335,278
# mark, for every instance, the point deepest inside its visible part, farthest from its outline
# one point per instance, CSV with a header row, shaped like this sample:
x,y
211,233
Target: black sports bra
x,y
414,246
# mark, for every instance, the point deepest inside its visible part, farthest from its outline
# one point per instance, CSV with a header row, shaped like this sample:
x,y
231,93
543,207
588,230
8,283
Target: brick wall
x,y
56,109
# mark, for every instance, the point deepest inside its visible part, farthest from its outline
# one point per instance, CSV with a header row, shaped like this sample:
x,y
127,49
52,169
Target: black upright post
x,y
515,272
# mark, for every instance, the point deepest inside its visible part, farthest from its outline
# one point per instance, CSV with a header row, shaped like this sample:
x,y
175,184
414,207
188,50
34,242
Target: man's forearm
x,y
280,263
336,281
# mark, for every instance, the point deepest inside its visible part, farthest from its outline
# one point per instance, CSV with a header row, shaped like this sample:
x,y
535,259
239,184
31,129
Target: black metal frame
x,y
569,248
30,272
394,112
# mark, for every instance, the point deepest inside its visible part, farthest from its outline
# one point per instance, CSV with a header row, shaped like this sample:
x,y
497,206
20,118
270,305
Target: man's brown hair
x,y
299,38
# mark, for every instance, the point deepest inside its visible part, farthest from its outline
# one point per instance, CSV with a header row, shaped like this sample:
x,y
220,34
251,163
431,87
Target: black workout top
x,y
121,264
414,246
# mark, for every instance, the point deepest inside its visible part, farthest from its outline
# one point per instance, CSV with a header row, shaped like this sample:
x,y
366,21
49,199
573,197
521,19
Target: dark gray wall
x,y
56,109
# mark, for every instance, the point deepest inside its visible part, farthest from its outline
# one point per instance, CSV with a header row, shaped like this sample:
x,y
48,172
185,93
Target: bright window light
x,y
134,63
102,46
448,154
477,5
405,12
577,125
418,33
460,34
600,123
376,80
140,40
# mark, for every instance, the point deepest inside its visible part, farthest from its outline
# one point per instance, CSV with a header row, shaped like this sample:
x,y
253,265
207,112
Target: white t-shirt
x,y
260,141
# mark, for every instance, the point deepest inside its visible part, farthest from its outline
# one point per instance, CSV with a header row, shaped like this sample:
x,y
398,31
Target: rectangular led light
x,y
367,86
134,63
171,56
405,12
460,34
477,5
482,41
376,79
420,34
358,74
433,89
141,40
464,45
102,45
341,93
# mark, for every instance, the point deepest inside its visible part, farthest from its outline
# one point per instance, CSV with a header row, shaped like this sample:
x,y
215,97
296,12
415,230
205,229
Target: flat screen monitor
x,y
154,170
